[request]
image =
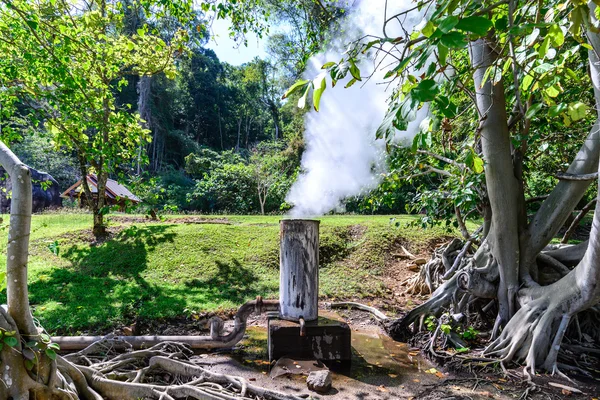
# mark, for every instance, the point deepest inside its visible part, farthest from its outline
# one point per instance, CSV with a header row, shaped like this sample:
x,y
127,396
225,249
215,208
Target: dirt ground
x,y
384,369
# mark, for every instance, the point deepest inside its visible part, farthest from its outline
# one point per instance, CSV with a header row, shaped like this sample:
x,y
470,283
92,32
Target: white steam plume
x,y
342,158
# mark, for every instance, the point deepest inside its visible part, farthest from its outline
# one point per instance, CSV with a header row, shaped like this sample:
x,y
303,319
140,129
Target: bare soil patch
x,y
179,220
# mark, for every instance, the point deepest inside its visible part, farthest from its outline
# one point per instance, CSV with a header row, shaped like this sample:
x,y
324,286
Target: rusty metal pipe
x,y
302,326
213,341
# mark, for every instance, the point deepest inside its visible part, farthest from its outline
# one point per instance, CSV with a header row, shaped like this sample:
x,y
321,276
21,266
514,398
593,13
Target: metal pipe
x,y
302,326
214,341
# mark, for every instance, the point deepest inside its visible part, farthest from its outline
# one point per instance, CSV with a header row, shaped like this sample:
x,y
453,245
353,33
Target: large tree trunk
x,y
501,184
506,260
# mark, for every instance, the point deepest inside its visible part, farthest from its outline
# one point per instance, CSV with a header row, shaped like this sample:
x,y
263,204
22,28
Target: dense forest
x,y
218,138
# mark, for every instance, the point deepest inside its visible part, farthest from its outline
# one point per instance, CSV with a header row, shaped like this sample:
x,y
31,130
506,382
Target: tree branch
x,y
447,160
565,176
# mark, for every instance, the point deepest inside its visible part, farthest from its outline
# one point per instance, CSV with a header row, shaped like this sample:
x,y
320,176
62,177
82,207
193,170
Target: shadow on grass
x,y
106,285
233,282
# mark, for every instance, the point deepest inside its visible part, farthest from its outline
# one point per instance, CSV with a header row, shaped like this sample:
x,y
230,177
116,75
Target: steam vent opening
x,y
297,332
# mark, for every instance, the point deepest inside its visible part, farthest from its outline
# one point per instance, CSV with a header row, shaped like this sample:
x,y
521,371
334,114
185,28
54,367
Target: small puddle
x,y
376,359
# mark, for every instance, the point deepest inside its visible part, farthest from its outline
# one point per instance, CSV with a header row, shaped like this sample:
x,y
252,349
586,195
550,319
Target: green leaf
x,y
29,365
53,346
387,128
446,106
553,90
477,25
350,83
428,29
442,54
477,164
2,280
425,91
319,84
501,23
577,110
294,87
51,354
302,99
11,341
577,20
448,23
328,65
454,40
543,49
527,81
415,144
543,68
556,110
32,24
45,338
531,111
556,35
354,71
401,65
445,328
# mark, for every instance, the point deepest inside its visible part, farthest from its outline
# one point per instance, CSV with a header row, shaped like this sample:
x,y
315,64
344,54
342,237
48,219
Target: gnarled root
x,y
438,303
534,333
444,262
475,278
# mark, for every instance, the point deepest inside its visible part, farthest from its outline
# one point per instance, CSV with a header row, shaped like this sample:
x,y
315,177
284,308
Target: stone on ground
x,y
319,381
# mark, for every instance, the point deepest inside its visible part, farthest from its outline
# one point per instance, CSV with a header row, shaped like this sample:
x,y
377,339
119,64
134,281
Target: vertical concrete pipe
x,y
299,269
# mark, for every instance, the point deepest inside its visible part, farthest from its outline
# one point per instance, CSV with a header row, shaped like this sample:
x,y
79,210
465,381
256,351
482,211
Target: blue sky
x,y
226,48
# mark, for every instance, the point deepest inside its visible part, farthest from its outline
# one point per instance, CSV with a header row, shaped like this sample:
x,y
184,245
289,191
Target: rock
x,y
319,381
44,190
414,268
420,261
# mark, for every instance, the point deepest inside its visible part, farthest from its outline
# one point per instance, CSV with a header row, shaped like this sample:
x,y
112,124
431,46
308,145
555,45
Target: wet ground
x,y
381,369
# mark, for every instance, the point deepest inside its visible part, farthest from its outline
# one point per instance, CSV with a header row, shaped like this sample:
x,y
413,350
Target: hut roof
x,y
114,190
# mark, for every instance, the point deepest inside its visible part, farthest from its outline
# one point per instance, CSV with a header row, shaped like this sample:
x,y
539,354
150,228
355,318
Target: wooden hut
x,y
116,194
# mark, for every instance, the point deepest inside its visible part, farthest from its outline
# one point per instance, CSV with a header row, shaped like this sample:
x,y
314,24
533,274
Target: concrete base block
x,y
328,341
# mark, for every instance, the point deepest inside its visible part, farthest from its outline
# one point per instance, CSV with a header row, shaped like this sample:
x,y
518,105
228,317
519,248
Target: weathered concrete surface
x,y
299,269
324,340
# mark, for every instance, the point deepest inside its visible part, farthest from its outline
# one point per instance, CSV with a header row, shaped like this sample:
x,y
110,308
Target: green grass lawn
x,y
171,269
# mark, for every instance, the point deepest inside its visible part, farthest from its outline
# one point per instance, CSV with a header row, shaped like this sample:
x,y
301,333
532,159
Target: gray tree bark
x,y
501,183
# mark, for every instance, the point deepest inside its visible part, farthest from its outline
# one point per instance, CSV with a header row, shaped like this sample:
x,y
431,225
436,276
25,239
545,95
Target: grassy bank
x,y
175,267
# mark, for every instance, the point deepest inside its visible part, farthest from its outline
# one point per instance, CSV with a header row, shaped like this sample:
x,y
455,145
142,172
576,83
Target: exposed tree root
x,y
534,335
376,313
444,262
110,369
161,372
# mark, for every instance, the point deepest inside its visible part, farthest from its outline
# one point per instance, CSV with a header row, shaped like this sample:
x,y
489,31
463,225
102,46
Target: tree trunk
x,y
144,109
239,133
18,245
220,129
501,184
99,228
